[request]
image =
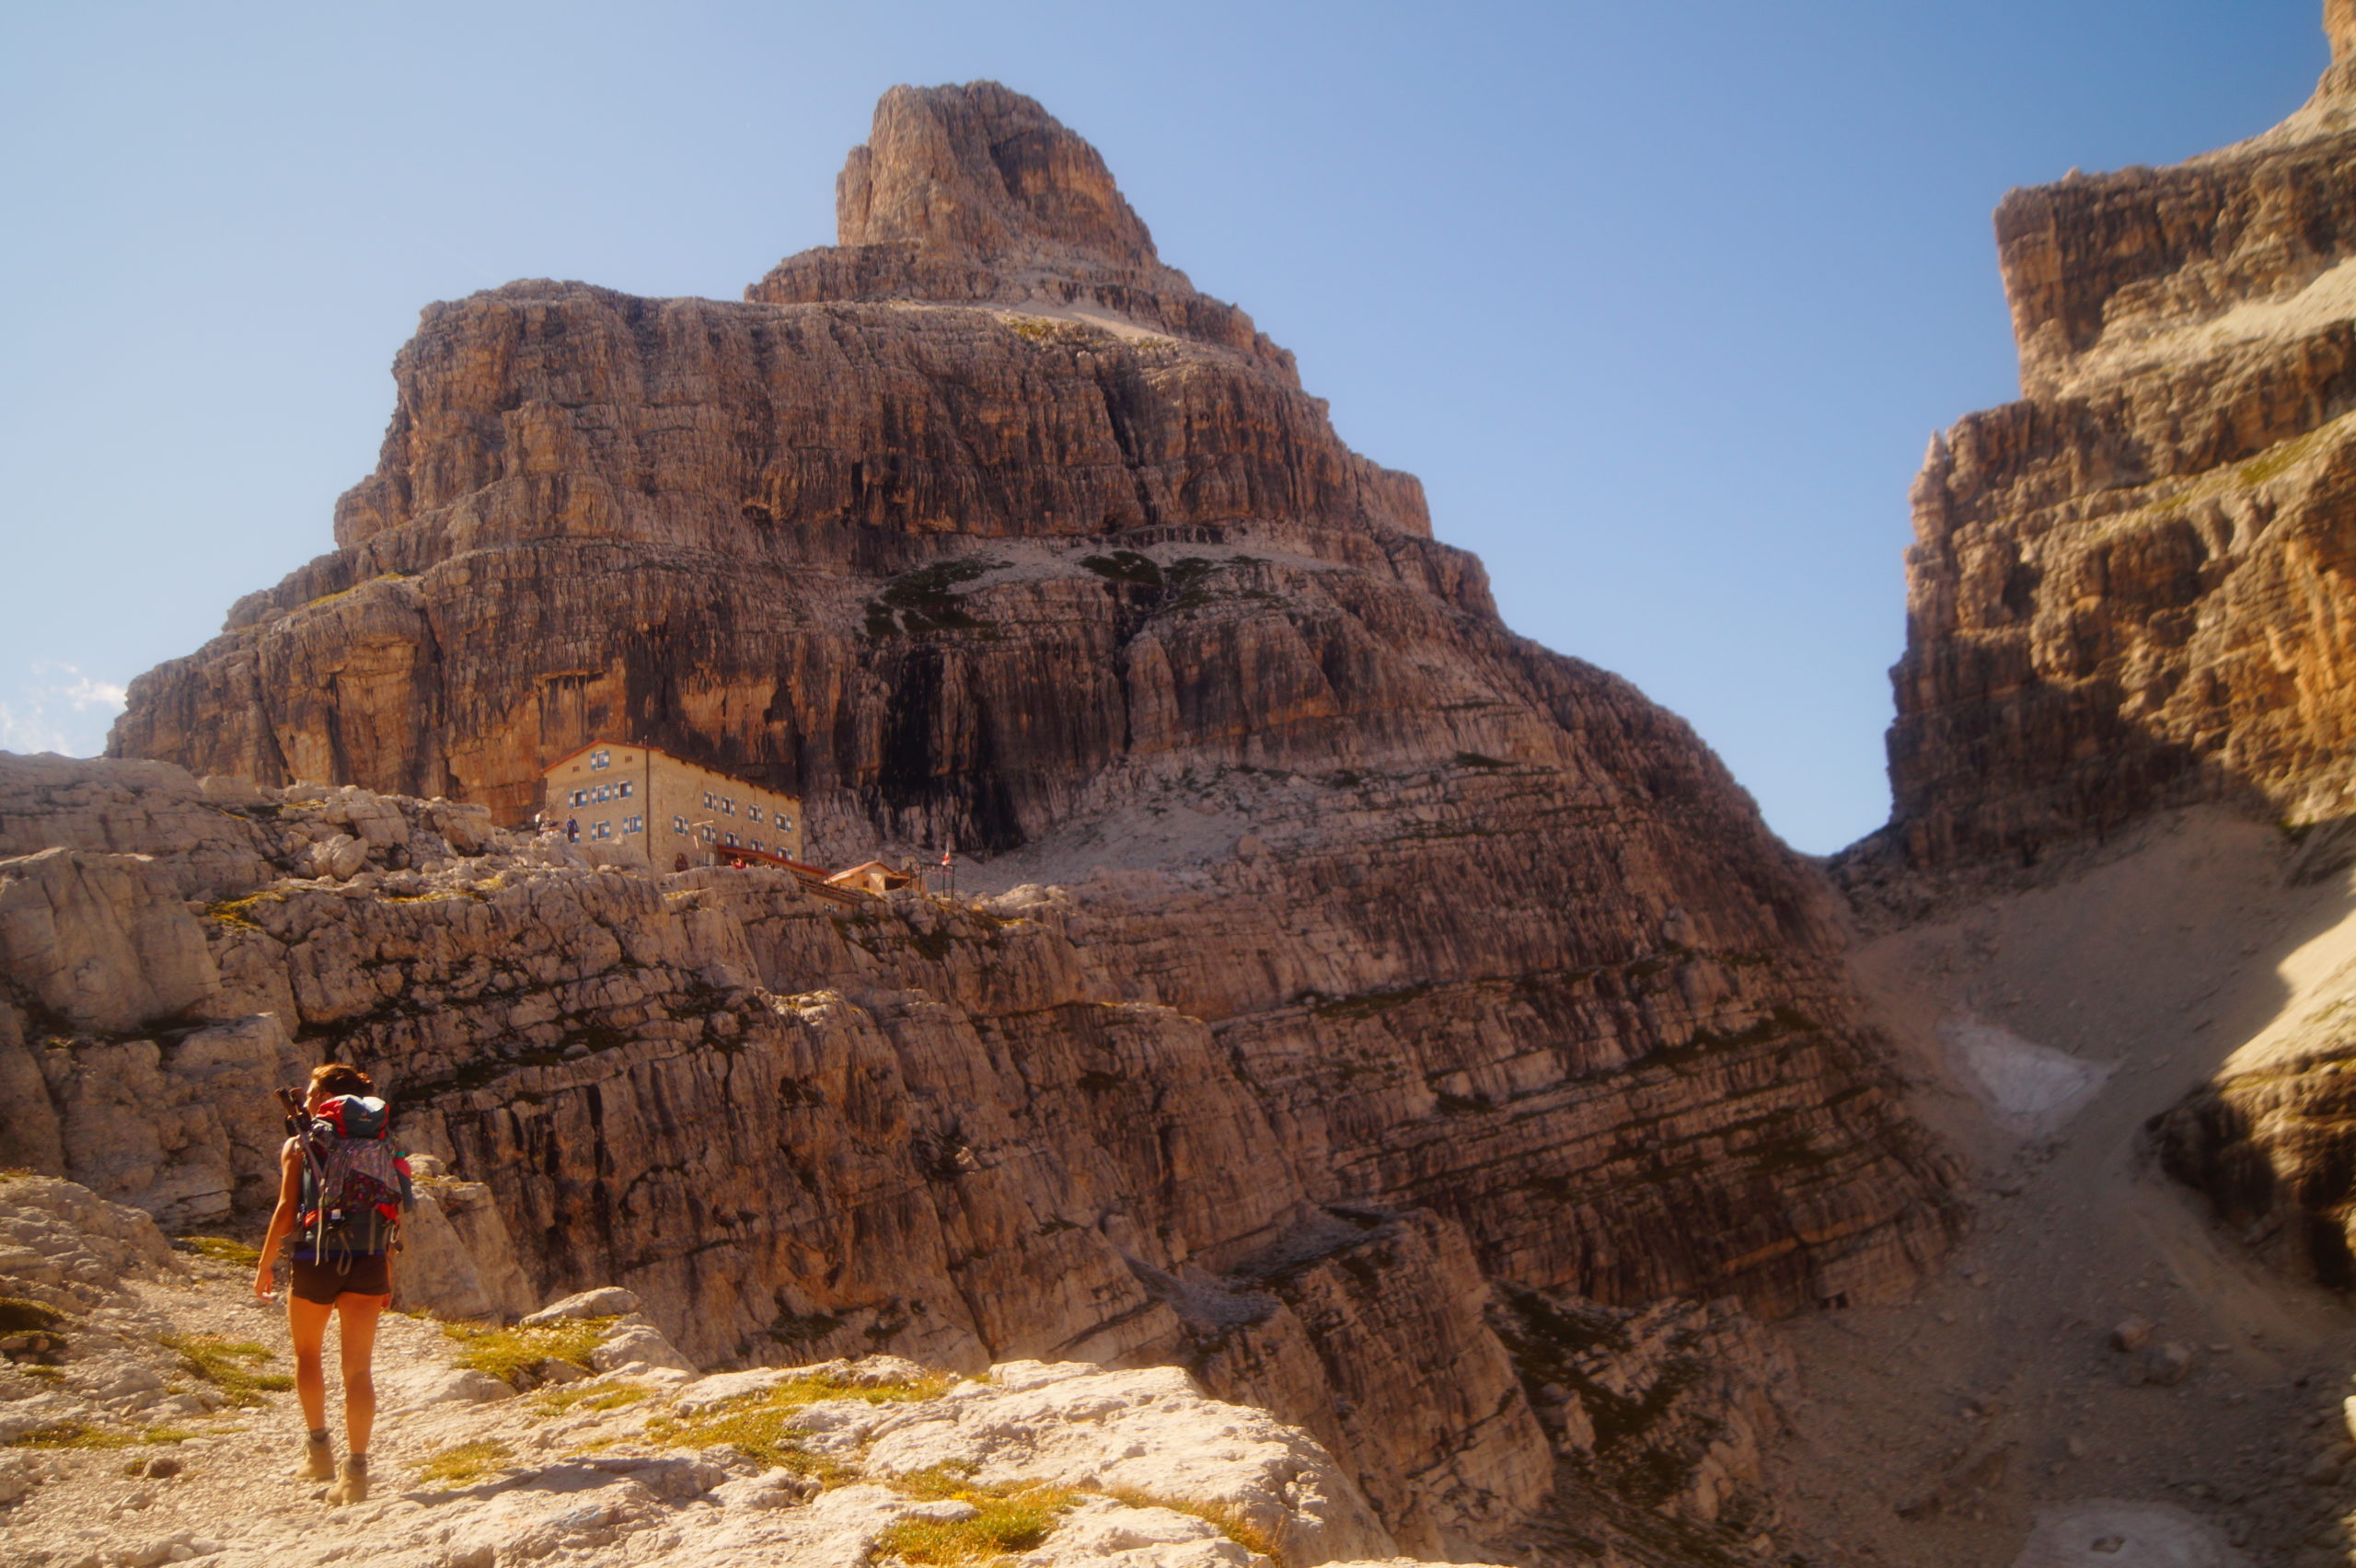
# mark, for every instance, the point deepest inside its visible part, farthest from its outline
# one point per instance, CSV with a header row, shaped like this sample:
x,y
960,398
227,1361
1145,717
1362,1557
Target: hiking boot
x,y
318,1459
350,1482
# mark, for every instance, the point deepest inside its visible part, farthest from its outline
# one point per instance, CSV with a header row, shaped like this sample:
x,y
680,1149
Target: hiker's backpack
x,y
355,1183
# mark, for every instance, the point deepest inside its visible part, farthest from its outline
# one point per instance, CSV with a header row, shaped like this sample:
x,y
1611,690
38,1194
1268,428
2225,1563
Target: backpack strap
x,y
311,1210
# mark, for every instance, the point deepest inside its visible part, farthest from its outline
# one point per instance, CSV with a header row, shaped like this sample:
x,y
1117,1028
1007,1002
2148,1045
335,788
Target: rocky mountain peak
x,y
982,171
2331,111
976,195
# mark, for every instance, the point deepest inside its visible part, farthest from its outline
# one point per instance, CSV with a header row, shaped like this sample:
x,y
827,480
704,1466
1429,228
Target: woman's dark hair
x,y
340,1078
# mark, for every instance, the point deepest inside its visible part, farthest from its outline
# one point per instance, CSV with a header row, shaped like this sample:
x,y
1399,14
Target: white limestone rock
x,y
1150,1432
103,940
776,1488
610,1302
63,1245
403,1389
457,1260
638,1345
182,1134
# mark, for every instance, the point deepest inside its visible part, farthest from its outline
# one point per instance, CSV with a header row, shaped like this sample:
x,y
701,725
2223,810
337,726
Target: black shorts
x,y
321,1281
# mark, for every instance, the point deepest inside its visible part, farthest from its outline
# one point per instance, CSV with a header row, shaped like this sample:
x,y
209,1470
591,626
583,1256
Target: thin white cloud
x,y
57,708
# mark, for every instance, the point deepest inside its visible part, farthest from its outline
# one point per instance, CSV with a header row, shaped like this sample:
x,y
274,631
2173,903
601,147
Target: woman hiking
x,y
340,1191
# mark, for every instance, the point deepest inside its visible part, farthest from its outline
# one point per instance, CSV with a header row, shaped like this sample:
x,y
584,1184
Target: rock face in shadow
x,y
983,526
2132,587
2271,1139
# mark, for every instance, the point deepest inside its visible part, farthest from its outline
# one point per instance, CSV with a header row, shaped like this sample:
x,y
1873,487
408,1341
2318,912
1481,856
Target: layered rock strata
x,y
1393,946
792,1127
2132,587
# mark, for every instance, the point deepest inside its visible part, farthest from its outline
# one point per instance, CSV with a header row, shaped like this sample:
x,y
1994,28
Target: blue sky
x,y
1663,303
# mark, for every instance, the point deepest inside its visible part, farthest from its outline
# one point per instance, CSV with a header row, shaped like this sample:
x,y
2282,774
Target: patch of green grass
x,y
347,592
70,1434
765,1437
229,1366
19,1316
588,1396
462,1464
1125,566
508,1354
925,598
219,1249
81,1437
1036,328
1368,1004
1007,1519
765,1426
1229,1519
238,912
2278,459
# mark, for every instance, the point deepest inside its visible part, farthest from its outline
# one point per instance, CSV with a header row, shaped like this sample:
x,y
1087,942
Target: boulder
x,y
456,1260
2166,1366
340,857
638,1344
103,940
63,1244
606,1301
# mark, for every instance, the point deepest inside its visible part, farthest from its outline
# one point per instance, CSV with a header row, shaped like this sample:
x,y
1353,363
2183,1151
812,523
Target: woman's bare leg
x,y
307,1325
356,1336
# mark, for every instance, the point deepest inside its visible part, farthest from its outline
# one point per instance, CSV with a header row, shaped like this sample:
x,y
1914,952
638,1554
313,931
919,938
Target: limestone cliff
x,y
793,1126
2132,587
1384,946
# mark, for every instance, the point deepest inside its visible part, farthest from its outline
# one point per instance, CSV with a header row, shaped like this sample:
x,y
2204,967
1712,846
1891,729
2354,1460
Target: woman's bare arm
x,y
281,1218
